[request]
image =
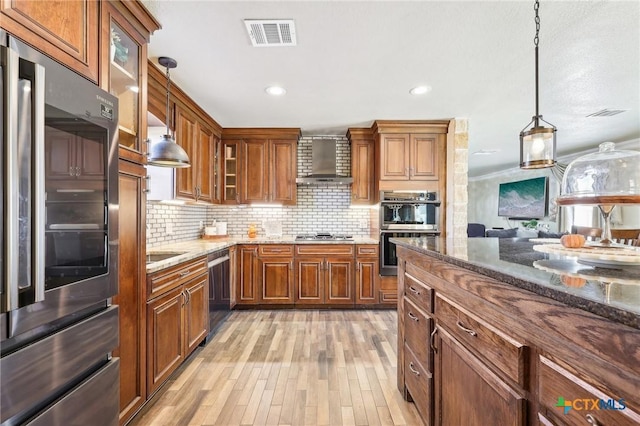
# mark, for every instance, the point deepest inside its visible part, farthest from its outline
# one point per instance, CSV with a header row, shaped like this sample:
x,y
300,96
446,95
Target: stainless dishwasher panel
x,y
219,289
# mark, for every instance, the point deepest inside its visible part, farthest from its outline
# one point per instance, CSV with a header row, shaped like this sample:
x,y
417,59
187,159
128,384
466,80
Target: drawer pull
x,y
465,329
432,339
413,370
412,316
185,273
592,420
414,291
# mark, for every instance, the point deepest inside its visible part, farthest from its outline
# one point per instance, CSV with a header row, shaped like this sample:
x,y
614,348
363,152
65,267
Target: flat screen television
x,y
524,199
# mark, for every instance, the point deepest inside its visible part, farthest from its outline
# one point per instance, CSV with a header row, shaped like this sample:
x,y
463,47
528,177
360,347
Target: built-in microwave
x,y
409,210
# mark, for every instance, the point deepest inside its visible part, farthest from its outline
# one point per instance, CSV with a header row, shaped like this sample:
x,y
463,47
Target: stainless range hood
x,y
323,165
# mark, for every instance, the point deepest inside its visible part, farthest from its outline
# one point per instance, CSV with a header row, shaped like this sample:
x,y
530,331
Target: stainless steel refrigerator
x,y
59,255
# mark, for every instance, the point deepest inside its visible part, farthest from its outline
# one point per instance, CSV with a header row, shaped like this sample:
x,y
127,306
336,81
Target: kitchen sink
x,y
156,257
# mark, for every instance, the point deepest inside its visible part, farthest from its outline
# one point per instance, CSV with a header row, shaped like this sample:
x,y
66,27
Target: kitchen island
x,y
494,333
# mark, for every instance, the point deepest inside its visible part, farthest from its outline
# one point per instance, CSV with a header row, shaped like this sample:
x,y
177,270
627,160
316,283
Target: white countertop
x,y
202,247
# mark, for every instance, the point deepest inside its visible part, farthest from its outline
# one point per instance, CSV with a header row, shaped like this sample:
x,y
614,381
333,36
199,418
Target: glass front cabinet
x,y
230,171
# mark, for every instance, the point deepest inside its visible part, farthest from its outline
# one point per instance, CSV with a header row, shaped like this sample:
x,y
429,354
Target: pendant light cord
x,y
536,39
168,87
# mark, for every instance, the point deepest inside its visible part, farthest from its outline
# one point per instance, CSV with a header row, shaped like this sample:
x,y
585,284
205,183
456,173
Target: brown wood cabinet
x,y
275,265
126,29
66,30
177,318
324,274
131,296
259,165
367,274
247,275
503,355
71,155
364,188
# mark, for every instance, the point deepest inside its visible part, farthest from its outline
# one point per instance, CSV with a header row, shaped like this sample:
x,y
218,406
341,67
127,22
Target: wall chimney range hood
x,y
323,165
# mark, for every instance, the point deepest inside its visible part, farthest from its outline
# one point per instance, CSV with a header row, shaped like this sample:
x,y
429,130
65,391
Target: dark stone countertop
x,y
610,293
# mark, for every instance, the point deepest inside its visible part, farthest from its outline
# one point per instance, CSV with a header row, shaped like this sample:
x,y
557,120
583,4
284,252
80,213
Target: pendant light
x,y
537,142
166,152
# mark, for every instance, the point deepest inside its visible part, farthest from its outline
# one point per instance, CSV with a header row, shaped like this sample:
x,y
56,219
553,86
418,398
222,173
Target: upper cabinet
x,y
412,153
65,30
197,133
363,189
259,166
126,28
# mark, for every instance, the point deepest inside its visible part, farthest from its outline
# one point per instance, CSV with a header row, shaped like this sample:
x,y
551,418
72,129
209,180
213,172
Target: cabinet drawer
x,y
419,293
493,345
275,250
369,250
417,330
325,249
582,400
419,383
166,279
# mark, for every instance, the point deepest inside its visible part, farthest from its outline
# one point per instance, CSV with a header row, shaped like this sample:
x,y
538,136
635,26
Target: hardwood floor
x,y
289,368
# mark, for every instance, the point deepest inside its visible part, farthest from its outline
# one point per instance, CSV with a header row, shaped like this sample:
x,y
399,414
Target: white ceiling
x,y
356,61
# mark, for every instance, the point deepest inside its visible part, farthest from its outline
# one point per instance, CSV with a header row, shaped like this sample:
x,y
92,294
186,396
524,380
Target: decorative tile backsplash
x,y
319,209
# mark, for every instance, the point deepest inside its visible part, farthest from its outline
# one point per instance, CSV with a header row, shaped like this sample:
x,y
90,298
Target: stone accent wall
x,y
319,209
457,180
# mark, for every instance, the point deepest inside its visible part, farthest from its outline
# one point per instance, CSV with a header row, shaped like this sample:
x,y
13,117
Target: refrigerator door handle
x,y
10,63
39,183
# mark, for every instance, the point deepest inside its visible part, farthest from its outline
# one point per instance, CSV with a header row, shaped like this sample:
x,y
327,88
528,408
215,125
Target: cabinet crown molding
x,y
411,126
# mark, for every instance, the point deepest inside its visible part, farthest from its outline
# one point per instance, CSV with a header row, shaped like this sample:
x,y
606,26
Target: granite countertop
x,y
610,293
195,248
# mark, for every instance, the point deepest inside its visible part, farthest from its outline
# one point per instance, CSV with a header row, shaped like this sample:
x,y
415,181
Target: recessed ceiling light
x,y
275,90
420,90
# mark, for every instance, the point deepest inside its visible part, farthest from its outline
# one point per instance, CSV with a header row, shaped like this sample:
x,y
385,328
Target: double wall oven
x,y
405,215
59,255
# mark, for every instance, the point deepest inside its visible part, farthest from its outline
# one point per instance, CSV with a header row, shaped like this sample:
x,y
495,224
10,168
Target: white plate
x,y
606,257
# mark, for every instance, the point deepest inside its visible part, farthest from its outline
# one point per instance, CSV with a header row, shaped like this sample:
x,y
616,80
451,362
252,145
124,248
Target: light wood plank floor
x,y
289,368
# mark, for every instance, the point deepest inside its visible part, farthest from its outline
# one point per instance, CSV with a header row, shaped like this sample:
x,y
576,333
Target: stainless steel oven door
x,y
388,257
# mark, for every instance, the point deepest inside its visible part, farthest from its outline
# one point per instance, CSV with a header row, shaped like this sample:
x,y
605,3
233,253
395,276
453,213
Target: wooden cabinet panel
x,y
490,343
309,280
417,329
339,281
367,281
247,275
581,399
66,30
196,313
394,157
276,276
419,384
131,289
272,250
164,337
418,293
283,171
185,137
168,278
362,170
205,185
255,166
325,249
424,157
388,290
468,393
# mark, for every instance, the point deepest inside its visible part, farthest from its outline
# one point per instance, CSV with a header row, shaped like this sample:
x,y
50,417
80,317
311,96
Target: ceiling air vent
x,y
607,113
272,32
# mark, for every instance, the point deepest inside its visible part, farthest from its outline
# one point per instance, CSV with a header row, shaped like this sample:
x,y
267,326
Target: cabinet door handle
x,y
71,171
77,171
413,370
592,420
466,329
184,298
414,291
432,340
188,294
412,316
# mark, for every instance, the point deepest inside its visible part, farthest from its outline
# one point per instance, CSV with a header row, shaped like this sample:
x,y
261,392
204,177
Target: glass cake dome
x,y
608,176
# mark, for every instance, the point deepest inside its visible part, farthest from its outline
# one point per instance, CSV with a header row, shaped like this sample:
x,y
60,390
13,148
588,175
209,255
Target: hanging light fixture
x,y
166,152
537,142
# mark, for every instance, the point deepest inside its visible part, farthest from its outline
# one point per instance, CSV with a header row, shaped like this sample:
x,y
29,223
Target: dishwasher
x,y
219,289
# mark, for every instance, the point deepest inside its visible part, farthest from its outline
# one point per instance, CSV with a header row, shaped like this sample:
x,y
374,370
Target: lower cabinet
x,y
324,274
275,277
246,276
468,392
367,274
177,321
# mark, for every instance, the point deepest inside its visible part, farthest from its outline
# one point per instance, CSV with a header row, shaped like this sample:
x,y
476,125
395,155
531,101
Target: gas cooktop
x,y
323,237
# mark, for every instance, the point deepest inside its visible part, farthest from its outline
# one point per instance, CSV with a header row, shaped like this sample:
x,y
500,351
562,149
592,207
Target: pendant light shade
x,y
166,152
537,142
